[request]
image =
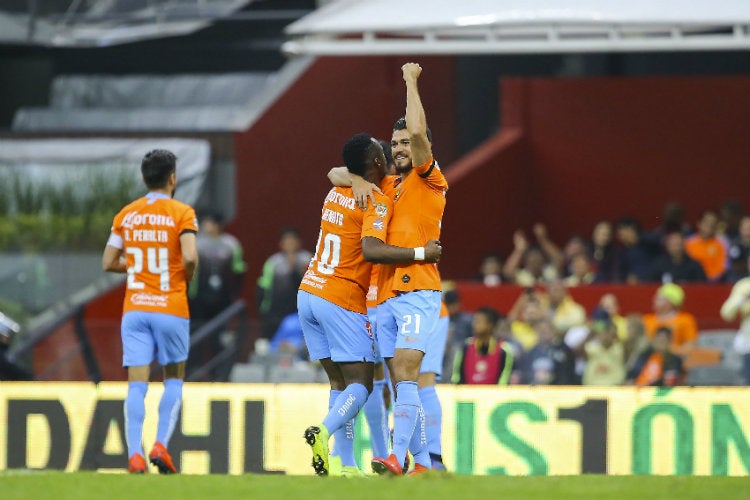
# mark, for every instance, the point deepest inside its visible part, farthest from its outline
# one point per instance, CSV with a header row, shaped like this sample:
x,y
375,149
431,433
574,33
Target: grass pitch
x,y
99,486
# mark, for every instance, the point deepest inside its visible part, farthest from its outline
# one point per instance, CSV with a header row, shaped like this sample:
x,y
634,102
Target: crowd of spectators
x,y
715,251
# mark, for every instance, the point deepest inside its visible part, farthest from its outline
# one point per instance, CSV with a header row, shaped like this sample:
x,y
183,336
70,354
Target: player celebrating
x,y
153,241
331,297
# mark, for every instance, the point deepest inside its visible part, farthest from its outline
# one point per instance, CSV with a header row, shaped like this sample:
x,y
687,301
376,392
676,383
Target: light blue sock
x,y
346,407
433,415
169,410
332,396
405,414
344,443
135,412
418,442
377,420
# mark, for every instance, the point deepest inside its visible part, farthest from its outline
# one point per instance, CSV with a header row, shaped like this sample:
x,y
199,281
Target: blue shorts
x,y
147,333
433,358
372,314
331,331
407,321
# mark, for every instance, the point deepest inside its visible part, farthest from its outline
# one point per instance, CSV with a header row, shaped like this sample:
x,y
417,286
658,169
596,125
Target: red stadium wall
x,y
598,148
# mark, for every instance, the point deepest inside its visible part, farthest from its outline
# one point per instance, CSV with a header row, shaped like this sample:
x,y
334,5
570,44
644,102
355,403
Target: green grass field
x,y
91,485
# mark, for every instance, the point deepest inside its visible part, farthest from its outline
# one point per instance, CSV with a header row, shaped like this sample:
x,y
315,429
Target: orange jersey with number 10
x,y
338,271
150,229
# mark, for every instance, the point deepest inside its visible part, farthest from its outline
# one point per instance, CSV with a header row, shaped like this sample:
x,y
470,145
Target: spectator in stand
x,y
289,339
603,353
603,256
739,251
581,272
523,316
459,330
529,265
675,265
730,215
637,252
279,280
658,365
561,308
491,270
550,361
673,220
683,328
707,248
738,304
575,245
484,359
637,341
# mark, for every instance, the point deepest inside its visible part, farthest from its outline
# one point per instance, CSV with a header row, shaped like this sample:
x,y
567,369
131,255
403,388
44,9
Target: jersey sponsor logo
x,y
132,219
379,224
333,217
381,209
149,299
341,200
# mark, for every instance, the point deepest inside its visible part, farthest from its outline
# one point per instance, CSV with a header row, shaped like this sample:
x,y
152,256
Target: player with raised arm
x,y
331,298
153,241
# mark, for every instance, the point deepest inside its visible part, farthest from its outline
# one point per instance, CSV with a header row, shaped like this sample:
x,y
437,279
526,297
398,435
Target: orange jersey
x,y
338,271
419,201
683,325
149,229
711,254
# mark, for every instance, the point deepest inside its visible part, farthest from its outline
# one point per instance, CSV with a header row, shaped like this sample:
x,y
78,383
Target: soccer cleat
x,y
419,469
160,457
137,464
387,465
317,438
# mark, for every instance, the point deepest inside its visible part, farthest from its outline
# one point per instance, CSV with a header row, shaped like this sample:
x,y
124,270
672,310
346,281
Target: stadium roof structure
x,y
399,27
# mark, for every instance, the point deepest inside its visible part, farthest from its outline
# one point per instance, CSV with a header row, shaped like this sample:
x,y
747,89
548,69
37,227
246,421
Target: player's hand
x,y
363,191
411,71
432,251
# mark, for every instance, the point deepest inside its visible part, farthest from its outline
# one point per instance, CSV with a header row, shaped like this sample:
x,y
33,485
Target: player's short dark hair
x,y
356,151
387,151
629,222
401,125
157,166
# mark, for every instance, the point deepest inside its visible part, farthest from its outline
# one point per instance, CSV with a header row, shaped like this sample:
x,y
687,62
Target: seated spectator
x,y
658,365
604,261
738,304
637,252
609,303
730,215
575,245
560,306
491,270
673,221
529,265
550,361
288,339
637,341
707,248
581,272
484,358
739,251
667,302
604,354
459,329
675,265
523,316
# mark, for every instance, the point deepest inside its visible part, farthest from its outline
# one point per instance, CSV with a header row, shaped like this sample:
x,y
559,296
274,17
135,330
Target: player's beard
x,y
405,168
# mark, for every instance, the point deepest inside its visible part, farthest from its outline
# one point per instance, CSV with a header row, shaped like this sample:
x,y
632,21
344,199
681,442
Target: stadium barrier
x,y
257,428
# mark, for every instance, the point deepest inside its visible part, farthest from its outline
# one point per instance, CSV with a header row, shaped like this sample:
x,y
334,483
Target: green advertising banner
x,y
257,428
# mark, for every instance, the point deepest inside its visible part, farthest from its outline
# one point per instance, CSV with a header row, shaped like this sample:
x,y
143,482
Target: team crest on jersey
x,y
381,210
378,224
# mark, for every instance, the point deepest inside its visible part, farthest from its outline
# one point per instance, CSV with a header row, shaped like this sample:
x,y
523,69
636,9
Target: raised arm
x,y
416,122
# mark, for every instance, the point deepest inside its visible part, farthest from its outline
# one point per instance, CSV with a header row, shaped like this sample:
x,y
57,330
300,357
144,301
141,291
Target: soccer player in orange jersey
x,y
153,241
409,296
331,298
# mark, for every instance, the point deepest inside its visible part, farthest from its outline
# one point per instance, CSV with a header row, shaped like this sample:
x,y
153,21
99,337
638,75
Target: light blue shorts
x,y
146,335
407,321
433,358
331,331
372,314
